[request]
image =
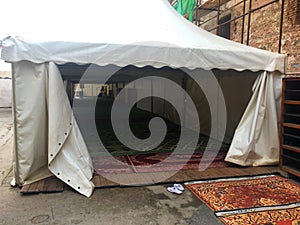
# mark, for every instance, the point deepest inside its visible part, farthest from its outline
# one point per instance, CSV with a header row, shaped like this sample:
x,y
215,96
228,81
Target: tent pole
x,y
70,91
152,100
243,22
183,84
218,18
249,22
196,8
281,26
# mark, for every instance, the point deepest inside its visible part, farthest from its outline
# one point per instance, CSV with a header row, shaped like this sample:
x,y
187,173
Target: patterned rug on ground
x,y
116,148
112,165
251,200
160,162
156,162
139,125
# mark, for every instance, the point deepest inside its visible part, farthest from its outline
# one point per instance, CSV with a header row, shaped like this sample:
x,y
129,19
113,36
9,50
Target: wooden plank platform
x,y
48,185
53,184
102,182
144,179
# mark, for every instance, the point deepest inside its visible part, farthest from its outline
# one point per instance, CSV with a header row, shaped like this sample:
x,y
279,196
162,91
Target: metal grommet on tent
x,y
66,133
49,165
51,155
78,187
70,124
59,143
58,174
68,180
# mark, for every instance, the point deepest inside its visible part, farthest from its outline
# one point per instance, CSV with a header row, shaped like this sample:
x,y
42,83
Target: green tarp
x,y
185,8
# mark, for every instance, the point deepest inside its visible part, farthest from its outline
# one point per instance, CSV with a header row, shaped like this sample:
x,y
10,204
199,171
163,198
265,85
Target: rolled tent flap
x,y
48,135
256,139
68,156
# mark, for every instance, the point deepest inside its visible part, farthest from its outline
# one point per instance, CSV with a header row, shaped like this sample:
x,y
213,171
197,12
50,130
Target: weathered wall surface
x,y
264,29
291,36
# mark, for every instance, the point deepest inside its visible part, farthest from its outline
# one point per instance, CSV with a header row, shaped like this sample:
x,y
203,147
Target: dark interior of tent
x,y
100,87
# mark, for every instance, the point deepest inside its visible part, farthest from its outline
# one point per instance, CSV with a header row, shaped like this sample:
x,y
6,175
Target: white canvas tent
x,y
5,86
5,92
47,138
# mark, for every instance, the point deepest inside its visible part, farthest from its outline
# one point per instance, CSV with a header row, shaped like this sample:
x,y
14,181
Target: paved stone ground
x,y
134,205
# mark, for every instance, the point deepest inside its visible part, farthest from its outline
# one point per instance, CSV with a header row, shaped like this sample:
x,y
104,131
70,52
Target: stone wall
x,y
264,27
291,36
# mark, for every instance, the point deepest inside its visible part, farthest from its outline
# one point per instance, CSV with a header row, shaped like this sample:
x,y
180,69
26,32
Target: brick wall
x,y
291,36
265,27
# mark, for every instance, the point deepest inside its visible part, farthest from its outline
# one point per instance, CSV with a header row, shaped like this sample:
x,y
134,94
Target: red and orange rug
x,y
252,200
156,162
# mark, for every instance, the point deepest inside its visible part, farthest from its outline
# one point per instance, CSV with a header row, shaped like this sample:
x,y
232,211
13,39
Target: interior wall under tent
x,y
236,89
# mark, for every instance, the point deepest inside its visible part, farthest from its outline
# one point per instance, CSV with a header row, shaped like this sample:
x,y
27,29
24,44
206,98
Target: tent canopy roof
x,y
135,32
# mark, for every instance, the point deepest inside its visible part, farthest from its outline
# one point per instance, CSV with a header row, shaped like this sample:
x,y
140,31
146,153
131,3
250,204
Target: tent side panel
x,y
256,139
68,157
45,129
30,113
